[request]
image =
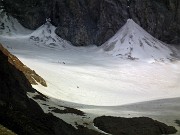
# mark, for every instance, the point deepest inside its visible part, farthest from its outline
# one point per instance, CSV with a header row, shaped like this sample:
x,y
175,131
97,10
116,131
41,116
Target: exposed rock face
x,y
85,22
161,18
132,126
31,75
5,131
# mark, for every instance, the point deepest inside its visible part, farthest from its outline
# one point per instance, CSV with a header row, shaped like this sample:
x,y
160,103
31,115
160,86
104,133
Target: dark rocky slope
x,y
31,75
132,126
85,22
21,114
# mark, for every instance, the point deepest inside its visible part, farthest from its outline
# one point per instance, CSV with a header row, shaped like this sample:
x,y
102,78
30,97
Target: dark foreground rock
x,y
85,22
21,114
67,110
132,126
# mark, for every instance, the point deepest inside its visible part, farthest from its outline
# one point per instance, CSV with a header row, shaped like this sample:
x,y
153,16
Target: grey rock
x,y
161,18
85,22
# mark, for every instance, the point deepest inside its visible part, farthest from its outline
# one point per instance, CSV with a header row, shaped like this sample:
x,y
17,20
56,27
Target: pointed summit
x,y
133,42
46,36
131,22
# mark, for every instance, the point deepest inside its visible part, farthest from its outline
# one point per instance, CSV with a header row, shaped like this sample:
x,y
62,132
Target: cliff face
x,y
86,22
161,18
31,75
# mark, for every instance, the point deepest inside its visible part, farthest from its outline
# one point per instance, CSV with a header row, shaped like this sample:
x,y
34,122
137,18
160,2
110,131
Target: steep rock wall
x,y
85,22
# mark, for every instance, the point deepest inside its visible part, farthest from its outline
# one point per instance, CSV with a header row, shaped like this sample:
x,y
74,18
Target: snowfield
x,y
100,80
106,86
87,77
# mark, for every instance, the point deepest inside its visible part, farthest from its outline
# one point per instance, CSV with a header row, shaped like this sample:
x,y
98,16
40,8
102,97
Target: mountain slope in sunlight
x,y
46,36
133,42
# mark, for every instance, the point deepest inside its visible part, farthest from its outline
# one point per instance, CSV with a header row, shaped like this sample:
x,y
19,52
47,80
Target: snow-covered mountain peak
x,y
10,26
45,36
133,42
131,24
46,29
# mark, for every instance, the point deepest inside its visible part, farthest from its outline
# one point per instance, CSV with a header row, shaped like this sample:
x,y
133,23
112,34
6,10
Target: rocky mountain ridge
x,y
84,22
31,75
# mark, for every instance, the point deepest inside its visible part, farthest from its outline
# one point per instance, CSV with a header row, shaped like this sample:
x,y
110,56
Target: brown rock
x,y
85,22
31,75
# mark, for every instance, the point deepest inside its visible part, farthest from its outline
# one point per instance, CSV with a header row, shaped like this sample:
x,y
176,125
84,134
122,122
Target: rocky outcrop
x,y
5,131
31,75
85,22
132,126
161,18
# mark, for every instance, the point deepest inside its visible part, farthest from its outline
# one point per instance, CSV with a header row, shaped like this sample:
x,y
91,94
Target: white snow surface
x,y
96,82
46,36
133,42
87,76
9,26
